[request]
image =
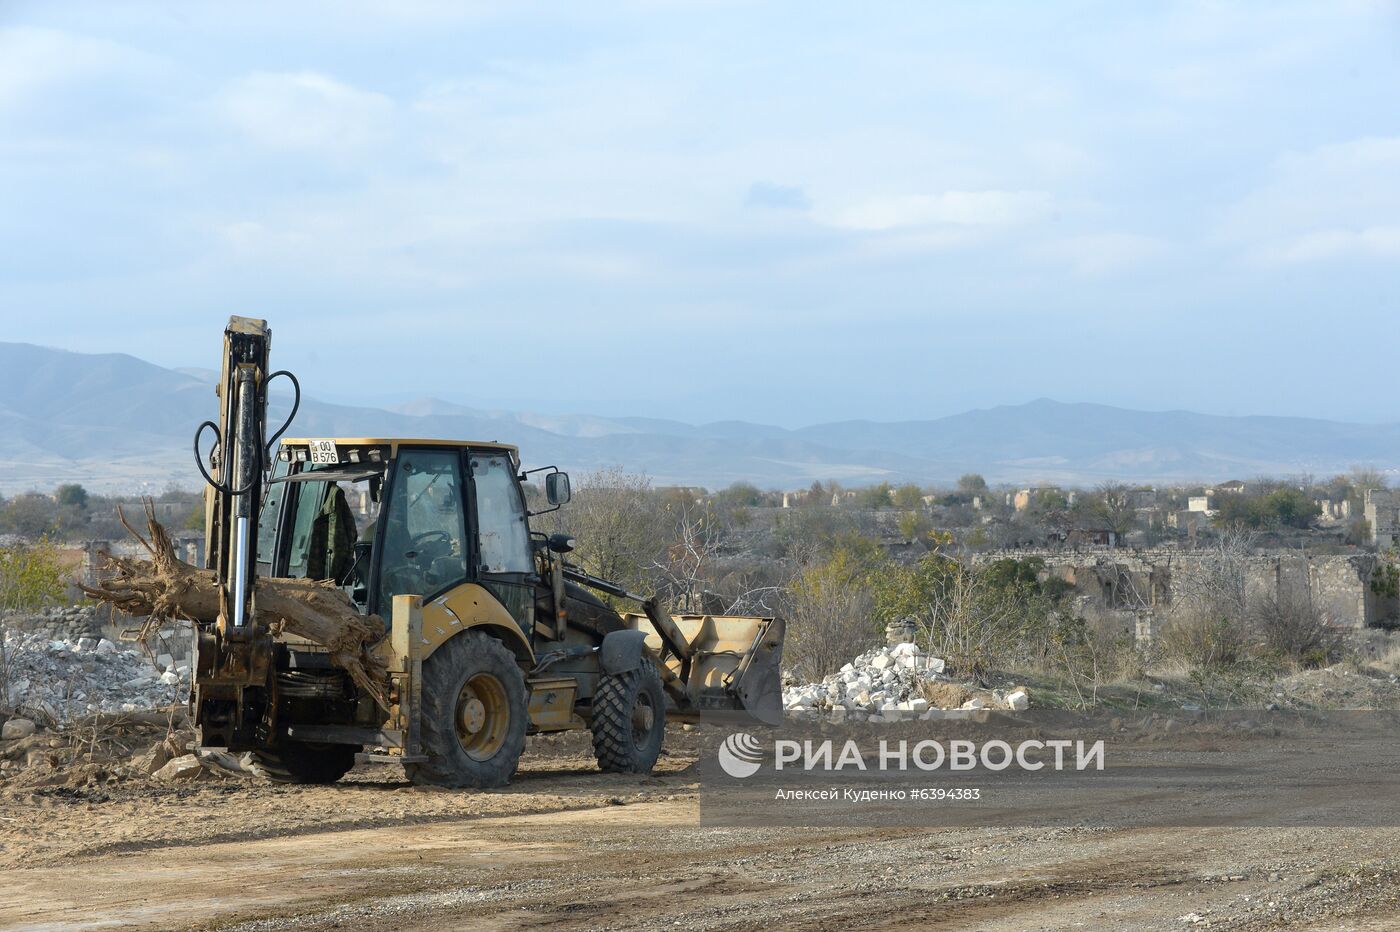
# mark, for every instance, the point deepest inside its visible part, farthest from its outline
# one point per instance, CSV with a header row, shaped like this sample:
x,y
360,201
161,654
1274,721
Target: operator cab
x,y
392,517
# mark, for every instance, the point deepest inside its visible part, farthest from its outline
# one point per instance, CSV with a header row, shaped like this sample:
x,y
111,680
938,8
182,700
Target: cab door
x,y
421,543
504,563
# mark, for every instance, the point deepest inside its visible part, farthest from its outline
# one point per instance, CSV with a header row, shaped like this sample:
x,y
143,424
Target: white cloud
x,y
1371,243
1338,200
306,110
1103,253
34,62
951,208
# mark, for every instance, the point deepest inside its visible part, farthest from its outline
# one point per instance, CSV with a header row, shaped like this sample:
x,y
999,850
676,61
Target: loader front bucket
x,y
731,669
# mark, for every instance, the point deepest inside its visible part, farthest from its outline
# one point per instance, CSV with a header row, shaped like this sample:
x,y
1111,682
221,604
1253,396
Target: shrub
x,y
977,619
830,611
1292,629
1204,640
31,576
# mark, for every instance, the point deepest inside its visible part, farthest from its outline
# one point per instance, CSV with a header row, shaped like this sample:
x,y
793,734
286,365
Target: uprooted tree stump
x,y
166,588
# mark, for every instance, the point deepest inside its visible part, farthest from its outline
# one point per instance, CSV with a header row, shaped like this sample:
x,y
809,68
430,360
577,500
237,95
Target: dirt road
x,y
565,847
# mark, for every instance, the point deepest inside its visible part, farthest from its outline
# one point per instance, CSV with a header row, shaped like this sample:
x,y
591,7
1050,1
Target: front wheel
x,y
474,714
629,720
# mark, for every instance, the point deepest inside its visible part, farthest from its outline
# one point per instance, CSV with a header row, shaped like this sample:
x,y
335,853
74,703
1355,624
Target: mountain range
x,y
119,424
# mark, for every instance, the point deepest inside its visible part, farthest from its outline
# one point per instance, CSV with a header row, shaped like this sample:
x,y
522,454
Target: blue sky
x,y
775,212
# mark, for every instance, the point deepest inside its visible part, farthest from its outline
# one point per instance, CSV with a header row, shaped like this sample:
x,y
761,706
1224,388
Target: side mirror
x,y
561,543
556,488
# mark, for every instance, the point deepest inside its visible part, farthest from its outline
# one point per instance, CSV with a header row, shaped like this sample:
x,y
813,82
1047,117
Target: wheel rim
x,y
483,716
643,719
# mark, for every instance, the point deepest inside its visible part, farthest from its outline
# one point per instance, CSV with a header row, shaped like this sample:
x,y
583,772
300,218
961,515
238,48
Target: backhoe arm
x,y
235,482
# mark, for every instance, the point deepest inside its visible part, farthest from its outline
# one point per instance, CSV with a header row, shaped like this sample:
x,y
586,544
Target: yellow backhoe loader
x,y
489,632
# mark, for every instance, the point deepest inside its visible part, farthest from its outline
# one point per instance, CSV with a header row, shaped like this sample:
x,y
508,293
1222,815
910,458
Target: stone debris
x,y
886,679
182,769
17,728
219,760
57,680
151,760
202,764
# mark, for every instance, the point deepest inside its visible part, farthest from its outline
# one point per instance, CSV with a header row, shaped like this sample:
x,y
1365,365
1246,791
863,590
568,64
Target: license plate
x,y
323,452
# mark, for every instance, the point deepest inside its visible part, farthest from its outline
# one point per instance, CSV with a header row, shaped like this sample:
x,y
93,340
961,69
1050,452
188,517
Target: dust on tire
x,y
444,675
619,744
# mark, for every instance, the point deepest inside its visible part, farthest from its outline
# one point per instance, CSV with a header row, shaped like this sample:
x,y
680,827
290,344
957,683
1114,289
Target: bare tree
x,y
619,526
1366,477
1207,625
688,560
1215,582
968,624
760,600
1113,507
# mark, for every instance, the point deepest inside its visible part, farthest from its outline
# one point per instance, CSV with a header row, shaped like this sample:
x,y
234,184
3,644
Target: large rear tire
x,y
474,714
303,762
629,720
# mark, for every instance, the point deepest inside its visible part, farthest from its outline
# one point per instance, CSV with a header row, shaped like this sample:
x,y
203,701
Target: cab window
x,y
425,539
502,531
308,505
267,521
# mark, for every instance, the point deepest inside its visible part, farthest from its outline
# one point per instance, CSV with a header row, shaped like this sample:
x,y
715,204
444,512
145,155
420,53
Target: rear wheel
x,y
303,762
474,714
629,720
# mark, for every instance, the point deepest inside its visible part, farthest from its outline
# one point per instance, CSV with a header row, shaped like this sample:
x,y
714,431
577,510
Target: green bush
x,y
1280,508
31,576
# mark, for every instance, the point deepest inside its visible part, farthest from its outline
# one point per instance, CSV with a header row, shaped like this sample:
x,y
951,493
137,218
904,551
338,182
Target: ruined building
x,y
1380,511
1133,591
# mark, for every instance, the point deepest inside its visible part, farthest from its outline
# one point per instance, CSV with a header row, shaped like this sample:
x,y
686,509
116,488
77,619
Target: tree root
x,y
165,588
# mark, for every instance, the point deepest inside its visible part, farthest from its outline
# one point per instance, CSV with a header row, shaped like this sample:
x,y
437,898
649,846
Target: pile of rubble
x,y
887,679
58,680
884,679
108,749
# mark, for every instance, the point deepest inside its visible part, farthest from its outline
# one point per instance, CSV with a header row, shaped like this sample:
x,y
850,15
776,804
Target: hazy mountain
x,y
116,422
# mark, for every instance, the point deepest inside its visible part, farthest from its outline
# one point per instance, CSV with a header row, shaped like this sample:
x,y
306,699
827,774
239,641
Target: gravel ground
x,y
566,847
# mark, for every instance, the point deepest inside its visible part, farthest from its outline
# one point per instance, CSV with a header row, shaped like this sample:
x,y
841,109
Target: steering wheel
x,y
421,542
